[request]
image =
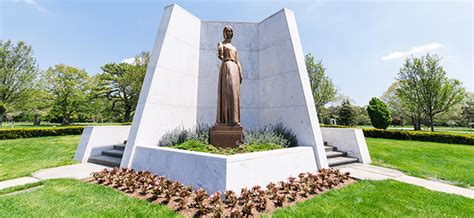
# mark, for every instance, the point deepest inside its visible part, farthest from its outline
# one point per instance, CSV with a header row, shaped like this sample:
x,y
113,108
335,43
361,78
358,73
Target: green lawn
x,y
21,157
73,198
450,162
381,199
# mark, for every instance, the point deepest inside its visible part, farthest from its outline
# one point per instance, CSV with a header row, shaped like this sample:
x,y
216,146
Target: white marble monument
x,y
180,90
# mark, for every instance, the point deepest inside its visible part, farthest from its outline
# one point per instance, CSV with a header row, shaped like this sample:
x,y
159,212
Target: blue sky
x,y
362,43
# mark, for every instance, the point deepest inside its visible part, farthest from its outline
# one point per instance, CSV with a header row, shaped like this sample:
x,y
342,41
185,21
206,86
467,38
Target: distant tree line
x,y
421,95
65,94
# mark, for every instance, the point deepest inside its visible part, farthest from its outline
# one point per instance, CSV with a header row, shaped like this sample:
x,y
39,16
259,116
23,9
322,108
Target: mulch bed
x,y
250,203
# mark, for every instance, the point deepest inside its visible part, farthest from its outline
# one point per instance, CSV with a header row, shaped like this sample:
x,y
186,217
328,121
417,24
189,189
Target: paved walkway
x,y
364,171
76,171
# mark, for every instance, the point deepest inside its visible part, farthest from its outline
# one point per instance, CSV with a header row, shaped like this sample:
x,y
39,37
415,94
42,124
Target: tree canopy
x,y
425,89
68,87
121,84
18,72
321,86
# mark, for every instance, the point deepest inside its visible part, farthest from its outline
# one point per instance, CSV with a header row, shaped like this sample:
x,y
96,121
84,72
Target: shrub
x,y
181,135
420,136
272,134
194,145
379,114
39,132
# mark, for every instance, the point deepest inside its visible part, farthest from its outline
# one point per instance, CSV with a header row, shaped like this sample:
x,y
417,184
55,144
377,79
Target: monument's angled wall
x,y
169,94
285,92
246,41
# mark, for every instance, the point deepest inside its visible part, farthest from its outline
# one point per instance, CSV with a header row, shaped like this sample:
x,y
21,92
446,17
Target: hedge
x,y
420,136
39,132
448,138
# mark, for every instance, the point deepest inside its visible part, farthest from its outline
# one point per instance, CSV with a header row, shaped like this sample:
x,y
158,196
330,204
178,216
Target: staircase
x,y
111,157
337,158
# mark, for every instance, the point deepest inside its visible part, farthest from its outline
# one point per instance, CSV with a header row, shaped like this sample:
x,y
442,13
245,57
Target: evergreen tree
x,y
347,114
379,114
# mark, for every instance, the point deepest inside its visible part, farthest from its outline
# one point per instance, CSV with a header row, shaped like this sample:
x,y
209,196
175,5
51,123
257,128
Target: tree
x,y
362,118
424,87
68,88
321,86
347,114
468,110
17,74
122,84
379,114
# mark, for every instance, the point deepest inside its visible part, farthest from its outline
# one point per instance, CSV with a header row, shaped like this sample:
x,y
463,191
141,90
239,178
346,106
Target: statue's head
x,y
228,32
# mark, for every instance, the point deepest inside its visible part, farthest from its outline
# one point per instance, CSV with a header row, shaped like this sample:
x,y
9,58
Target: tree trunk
x,y
126,116
37,120
1,119
431,123
416,123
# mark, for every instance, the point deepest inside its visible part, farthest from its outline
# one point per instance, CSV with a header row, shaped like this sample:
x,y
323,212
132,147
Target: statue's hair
x,y
227,28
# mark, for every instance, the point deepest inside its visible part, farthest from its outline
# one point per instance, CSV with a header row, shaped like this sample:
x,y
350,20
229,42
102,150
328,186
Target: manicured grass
x,y
21,157
73,198
381,199
449,162
20,187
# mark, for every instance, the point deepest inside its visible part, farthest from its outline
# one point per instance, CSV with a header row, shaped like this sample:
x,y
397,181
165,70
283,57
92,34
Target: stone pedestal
x,y
226,136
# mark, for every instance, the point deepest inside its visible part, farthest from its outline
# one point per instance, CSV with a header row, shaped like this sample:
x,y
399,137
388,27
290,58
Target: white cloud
x,y
129,60
413,51
35,5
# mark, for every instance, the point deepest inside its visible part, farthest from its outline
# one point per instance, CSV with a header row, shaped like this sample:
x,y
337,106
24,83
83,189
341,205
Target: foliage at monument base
x,y
251,202
193,145
276,134
39,132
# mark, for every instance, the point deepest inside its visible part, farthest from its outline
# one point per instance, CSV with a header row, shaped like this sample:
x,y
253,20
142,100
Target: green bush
x,y
379,114
420,136
39,132
333,126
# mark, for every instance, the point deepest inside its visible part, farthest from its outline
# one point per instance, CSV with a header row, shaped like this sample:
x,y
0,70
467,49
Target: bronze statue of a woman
x,y
230,77
227,132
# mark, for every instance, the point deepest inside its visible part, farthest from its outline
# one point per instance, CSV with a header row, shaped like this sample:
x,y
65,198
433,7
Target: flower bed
x,y
193,145
251,202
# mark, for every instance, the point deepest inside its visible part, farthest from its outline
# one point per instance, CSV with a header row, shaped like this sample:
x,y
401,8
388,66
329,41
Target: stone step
x,y
336,161
113,153
105,160
329,148
331,154
119,147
